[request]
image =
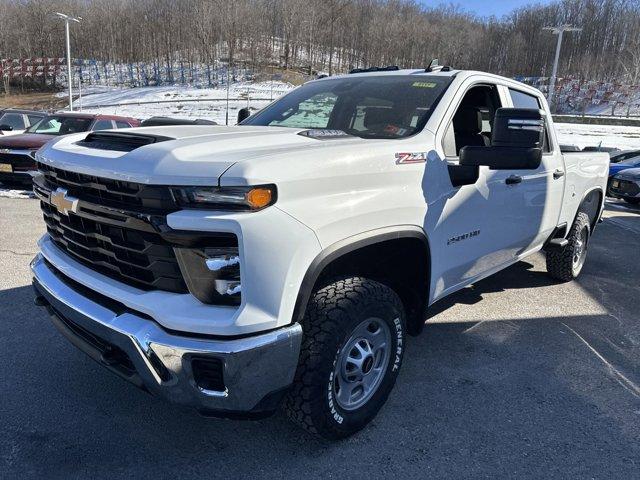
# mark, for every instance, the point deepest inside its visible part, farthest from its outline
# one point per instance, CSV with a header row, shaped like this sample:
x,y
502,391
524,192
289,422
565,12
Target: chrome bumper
x,y
255,369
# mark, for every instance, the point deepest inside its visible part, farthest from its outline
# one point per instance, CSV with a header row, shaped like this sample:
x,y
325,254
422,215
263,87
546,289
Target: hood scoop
x,y
120,141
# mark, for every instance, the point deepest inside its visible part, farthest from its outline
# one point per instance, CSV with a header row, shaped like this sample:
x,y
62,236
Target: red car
x,y
17,153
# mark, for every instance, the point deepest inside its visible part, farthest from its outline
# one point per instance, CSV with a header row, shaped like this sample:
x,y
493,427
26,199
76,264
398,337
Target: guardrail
x,y
182,100
598,120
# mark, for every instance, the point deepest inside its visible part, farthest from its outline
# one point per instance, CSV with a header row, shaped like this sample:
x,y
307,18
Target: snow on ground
x,y
11,193
587,135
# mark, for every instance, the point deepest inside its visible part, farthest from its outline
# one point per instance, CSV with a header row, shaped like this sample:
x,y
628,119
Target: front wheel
x,y
351,353
566,263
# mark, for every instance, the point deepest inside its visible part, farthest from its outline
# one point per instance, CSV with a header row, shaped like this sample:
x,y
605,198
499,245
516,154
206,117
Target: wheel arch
x,y
592,203
357,251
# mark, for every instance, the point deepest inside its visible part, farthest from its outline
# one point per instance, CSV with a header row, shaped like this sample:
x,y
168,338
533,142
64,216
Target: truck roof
x,y
405,71
446,73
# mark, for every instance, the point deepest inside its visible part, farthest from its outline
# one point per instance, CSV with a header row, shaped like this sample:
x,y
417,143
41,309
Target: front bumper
x,y
624,188
256,369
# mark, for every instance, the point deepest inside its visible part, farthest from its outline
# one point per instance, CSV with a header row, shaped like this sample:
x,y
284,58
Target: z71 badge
x,y
410,157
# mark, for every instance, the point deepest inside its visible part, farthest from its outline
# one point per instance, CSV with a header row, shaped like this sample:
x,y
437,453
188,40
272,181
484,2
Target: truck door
x,y
543,188
477,229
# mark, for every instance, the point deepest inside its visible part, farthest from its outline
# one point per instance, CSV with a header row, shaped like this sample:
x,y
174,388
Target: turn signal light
x,y
259,197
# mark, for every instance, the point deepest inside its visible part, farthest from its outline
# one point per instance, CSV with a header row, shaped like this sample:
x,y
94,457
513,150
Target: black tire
x,y
333,313
561,262
632,201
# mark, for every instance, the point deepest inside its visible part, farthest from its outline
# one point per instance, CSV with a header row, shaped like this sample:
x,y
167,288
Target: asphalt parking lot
x,y
516,376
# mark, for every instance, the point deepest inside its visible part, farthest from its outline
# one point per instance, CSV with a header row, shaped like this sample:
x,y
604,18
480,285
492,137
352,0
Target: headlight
x,y
212,274
226,198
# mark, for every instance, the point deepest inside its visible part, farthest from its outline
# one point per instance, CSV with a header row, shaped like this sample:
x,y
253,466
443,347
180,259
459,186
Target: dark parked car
x,y
626,185
165,121
624,155
17,152
14,121
598,148
569,148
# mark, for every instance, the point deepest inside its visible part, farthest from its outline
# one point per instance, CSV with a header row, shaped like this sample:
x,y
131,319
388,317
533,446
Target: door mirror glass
x,y
243,114
518,138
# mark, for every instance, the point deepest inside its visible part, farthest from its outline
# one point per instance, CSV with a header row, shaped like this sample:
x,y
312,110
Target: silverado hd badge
x,y
464,236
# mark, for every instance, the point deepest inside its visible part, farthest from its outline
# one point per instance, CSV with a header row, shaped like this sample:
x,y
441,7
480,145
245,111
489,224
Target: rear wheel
x,y
350,357
566,263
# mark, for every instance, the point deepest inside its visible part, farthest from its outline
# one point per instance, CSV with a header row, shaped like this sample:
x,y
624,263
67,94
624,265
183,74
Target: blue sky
x,y
487,7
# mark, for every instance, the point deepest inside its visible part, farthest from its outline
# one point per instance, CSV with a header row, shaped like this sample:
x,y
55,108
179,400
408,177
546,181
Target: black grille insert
x,y
140,258
109,192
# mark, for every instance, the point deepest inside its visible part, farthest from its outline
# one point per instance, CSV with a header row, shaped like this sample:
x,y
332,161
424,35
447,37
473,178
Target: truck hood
x,y
187,155
31,141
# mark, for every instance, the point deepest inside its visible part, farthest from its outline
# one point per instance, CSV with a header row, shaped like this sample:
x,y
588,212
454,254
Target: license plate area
x,y
6,168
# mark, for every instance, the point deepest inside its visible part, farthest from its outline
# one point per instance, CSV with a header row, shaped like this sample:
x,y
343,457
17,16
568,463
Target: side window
x,y
14,120
33,119
313,112
102,125
473,121
121,124
525,100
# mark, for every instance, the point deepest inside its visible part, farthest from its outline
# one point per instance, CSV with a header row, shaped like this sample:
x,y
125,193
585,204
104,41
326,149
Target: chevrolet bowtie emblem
x,y
63,202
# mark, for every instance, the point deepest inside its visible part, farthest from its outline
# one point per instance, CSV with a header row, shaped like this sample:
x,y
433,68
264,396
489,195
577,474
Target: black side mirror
x,y
518,136
5,127
243,114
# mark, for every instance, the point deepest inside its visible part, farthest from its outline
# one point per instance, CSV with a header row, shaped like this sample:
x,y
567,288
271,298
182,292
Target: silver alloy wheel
x,y
362,364
580,252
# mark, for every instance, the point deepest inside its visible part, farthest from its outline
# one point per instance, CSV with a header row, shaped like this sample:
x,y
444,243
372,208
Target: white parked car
x,y
14,121
285,260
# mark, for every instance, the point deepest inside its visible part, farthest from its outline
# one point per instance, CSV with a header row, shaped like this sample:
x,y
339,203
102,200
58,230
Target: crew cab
x,y
284,261
17,152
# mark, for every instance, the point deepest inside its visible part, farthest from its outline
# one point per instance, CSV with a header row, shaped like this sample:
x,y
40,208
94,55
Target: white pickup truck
x,y
283,261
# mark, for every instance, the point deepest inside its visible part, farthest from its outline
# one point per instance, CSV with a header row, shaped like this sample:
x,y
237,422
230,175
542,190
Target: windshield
x,y
385,106
60,125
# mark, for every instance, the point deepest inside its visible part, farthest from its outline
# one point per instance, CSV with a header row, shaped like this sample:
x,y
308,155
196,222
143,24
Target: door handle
x,y
558,174
513,180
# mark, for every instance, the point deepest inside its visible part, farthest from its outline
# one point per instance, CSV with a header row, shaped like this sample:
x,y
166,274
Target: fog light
x,y
212,274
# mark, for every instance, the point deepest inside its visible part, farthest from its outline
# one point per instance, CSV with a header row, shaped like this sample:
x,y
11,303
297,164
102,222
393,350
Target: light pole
x,y
68,19
559,30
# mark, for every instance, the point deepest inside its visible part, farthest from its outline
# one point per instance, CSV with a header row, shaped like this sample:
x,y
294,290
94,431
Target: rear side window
x,y
525,100
33,119
121,124
102,125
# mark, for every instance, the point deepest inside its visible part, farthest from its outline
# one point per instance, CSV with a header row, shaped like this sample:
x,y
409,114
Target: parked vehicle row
x,y
17,152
